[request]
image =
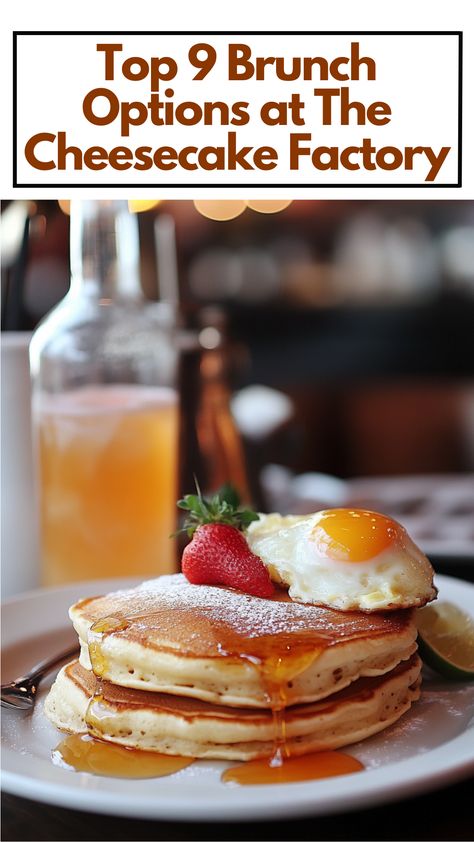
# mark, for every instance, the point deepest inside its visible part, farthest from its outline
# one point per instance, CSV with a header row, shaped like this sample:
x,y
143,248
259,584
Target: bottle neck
x,y
104,250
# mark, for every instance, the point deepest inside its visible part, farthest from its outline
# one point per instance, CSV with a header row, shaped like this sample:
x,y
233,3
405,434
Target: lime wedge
x,y
446,640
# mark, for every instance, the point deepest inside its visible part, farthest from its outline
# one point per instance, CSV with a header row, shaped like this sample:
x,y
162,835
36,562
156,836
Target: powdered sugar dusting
x,y
247,615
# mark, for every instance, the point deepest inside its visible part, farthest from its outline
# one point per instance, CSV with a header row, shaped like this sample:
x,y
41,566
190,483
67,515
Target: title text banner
x,y
237,109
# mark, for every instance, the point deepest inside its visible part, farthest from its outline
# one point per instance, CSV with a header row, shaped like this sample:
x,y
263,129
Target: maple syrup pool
x,y
83,753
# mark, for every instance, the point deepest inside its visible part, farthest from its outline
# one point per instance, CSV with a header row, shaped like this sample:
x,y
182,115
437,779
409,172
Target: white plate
x,y
431,746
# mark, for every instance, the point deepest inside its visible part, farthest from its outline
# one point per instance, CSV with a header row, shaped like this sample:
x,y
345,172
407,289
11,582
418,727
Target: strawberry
x,y
218,553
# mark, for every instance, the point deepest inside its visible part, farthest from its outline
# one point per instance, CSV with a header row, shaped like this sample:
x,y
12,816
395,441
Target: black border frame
x,y
16,183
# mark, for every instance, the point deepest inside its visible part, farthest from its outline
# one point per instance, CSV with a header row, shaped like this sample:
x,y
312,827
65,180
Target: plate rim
x,y
453,760
170,806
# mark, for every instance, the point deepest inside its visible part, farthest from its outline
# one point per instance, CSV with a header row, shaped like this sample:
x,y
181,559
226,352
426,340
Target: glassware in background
x,y
105,411
19,536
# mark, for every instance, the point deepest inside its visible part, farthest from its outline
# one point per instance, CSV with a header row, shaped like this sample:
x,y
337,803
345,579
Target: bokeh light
x,y
65,206
220,209
268,205
140,205
134,205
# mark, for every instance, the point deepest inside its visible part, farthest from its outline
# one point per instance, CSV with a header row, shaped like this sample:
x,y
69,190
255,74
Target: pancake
x,y
192,728
226,647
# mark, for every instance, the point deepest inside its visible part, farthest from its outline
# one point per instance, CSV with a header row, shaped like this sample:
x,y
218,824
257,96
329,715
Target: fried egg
x,y
350,559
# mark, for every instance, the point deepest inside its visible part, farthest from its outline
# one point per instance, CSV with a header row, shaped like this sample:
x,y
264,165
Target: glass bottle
x,y
212,451
105,411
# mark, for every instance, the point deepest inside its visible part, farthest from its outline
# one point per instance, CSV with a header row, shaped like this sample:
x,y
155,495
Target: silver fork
x,y
20,694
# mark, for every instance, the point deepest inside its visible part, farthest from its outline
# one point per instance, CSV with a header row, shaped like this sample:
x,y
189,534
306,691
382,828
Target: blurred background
x,y
341,334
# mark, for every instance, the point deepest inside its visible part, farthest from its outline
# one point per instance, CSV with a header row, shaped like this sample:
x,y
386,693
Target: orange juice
x,y
107,482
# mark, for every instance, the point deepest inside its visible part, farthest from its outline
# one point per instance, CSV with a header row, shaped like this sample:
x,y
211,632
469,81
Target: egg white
x,y
399,577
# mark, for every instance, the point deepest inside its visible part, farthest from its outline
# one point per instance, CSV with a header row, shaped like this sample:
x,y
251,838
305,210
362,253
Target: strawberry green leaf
x,y
223,507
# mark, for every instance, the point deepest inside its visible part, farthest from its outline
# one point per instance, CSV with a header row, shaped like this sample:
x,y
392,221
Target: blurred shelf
x,y
294,344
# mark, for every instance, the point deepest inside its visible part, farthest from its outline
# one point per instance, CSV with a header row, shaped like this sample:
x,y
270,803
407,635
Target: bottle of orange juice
x,y
105,411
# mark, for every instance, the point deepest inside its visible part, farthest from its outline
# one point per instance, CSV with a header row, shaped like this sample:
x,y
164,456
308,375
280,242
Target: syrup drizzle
x,y
106,625
277,671
97,711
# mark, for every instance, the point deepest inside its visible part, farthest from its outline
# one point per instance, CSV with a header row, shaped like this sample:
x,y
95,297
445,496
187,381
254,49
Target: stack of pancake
x,y
212,672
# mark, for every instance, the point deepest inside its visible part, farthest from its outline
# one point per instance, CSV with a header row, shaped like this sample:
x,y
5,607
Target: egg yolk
x,y
353,534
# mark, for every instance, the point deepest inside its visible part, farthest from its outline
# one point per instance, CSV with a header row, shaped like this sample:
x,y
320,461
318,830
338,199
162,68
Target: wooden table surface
x,y
445,814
